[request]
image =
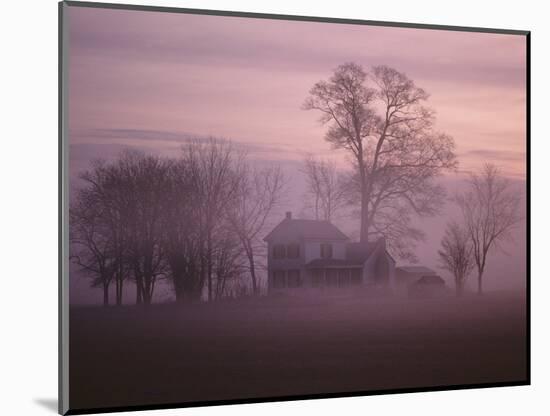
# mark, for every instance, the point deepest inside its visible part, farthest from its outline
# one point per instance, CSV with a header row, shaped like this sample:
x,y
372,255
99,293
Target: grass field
x,y
268,347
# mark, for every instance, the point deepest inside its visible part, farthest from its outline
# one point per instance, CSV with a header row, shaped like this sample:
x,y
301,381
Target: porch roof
x,y
333,264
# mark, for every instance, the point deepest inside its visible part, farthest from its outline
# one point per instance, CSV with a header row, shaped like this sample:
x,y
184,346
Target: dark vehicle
x,y
427,286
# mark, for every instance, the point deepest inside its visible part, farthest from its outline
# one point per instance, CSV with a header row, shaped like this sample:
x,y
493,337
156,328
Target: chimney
x,y
289,215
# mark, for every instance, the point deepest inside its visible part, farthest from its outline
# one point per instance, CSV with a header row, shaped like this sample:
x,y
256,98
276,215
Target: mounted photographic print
x,y
263,207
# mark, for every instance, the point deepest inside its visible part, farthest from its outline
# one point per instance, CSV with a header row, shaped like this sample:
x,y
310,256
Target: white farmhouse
x,y
304,254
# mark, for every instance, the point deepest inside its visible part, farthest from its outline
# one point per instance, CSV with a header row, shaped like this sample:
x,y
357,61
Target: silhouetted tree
x,y
228,262
456,254
214,170
380,119
258,195
144,183
194,220
182,233
490,209
326,192
91,248
98,229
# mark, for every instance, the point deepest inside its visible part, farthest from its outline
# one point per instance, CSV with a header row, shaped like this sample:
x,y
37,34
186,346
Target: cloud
x,y
271,45
495,155
109,143
151,79
135,134
154,136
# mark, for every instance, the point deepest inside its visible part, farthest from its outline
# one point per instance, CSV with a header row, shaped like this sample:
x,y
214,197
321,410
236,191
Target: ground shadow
x,y
49,404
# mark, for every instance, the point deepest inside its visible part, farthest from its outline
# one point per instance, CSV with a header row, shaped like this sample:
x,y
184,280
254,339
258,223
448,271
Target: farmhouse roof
x,y
430,280
329,263
360,252
305,229
417,269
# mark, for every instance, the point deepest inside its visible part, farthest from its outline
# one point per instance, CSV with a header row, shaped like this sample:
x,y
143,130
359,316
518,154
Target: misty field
x,y
269,347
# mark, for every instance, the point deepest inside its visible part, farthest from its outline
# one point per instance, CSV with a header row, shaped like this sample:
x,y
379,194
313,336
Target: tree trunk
x,y
105,294
121,294
364,236
459,286
317,207
147,289
139,290
119,281
119,288
209,265
253,274
479,283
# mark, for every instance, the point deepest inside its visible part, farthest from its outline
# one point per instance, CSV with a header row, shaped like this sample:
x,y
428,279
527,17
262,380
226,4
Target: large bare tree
x,y
456,254
259,193
326,190
491,210
380,118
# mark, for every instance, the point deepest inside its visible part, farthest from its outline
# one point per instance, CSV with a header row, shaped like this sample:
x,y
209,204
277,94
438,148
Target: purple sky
x,y
150,79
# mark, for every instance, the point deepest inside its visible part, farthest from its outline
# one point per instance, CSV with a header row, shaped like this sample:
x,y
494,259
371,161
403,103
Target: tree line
x,y
194,220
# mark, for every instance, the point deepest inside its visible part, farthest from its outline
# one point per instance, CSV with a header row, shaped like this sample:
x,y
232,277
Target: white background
x,y
28,206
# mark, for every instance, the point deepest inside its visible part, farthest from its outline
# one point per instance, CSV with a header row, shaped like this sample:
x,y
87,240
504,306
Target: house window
x,y
332,277
279,251
293,251
326,251
294,278
279,281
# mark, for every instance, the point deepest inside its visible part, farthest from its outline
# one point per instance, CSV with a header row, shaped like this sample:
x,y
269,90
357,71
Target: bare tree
x,y
326,192
214,165
98,229
182,233
259,193
380,119
91,248
107,188
144,182
491,211
228,262
456,254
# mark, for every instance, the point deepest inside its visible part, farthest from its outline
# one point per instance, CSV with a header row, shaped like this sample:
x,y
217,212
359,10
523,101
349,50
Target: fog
x,y
303,345
506,267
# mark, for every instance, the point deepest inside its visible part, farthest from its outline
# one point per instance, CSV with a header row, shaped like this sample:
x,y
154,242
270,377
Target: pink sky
x,y
147,79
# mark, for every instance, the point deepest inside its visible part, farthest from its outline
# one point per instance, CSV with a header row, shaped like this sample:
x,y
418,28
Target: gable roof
x,y
332,263
430,280
305,229
360,252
